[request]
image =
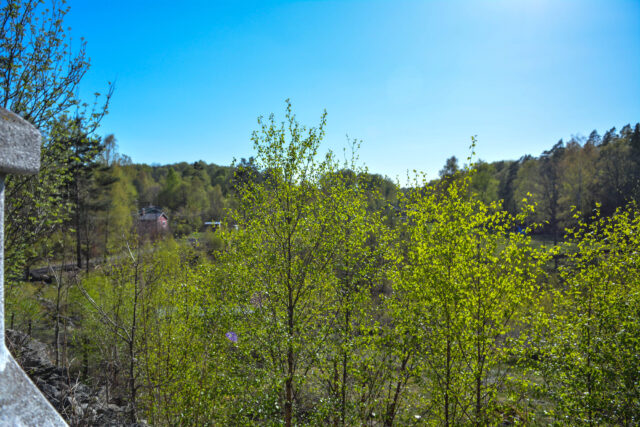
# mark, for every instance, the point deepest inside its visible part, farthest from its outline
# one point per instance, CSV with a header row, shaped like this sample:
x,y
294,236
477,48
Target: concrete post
x,y
21,403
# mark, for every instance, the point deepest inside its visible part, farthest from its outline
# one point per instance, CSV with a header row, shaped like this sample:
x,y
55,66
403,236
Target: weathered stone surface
x,y
21,404
19,145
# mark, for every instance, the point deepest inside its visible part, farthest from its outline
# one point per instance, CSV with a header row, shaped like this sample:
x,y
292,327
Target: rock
x,y
79,404
19,144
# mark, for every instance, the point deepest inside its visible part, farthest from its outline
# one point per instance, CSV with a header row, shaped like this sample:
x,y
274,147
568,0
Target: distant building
x,y
213,224
152,222
217,225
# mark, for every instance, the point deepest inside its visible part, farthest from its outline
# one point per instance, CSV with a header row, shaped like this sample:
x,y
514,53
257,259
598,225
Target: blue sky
x,y
414,80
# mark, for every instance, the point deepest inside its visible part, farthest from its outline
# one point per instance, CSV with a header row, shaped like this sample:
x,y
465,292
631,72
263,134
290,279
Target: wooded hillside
x,y
500,293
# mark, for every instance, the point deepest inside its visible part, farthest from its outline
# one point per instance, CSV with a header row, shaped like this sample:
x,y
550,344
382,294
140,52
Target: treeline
x,y
100,193
189,193
569,177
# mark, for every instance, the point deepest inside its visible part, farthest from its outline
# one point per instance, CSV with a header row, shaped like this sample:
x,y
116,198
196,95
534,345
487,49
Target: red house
x,y
152,222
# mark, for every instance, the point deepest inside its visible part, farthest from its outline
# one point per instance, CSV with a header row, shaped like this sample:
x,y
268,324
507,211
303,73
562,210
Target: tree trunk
x,y
76,197
447,416
132,380
288,398
343,390
56,332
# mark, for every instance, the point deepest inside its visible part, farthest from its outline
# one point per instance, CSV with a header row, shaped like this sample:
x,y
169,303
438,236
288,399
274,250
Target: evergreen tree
x,y
39,77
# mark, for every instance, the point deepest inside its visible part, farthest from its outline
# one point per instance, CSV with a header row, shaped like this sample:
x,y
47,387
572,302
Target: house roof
x,y
152,216
151,213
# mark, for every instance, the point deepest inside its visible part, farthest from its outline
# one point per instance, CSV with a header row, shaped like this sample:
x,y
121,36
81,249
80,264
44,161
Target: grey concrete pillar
x,y
21,403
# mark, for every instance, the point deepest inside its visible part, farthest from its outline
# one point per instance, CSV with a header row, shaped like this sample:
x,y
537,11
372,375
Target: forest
x,y
501,293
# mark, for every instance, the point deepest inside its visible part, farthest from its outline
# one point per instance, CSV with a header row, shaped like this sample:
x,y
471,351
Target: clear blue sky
x,y
412,79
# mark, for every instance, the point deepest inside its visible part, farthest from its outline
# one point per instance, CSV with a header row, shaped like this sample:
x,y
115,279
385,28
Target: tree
x,y
588,344
120,306
39,76
484,185
197,200
450,168
615,175
172,195
578,173
550,175
112,197
507,186
146,186
286,244
467,275
122,195
83,153
352,358
216,203
539,181
608,137
38,73
594,138
634,142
